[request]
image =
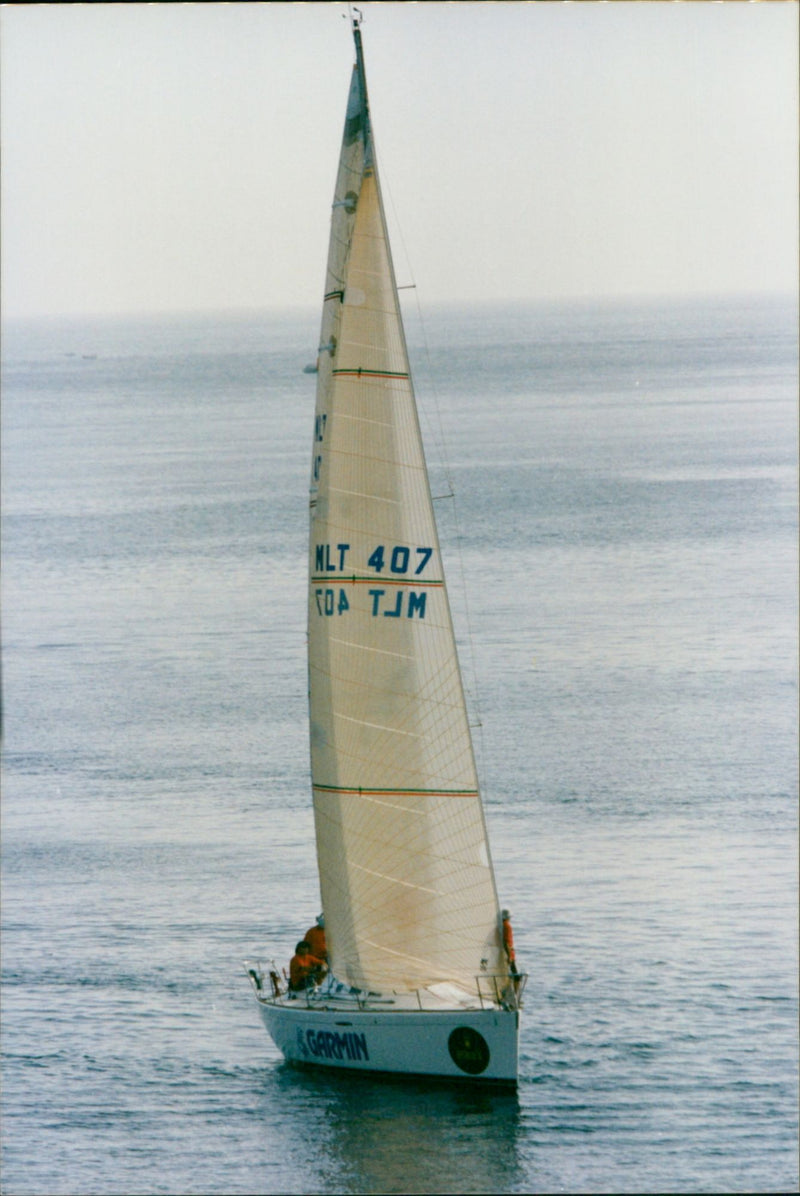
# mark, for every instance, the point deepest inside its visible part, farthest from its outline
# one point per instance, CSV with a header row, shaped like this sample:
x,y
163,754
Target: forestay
x,y
407,884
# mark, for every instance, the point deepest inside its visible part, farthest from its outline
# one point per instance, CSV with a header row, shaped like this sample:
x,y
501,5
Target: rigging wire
x,y
441,444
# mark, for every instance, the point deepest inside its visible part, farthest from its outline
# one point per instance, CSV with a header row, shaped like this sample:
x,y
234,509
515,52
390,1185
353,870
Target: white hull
x,y
455,1044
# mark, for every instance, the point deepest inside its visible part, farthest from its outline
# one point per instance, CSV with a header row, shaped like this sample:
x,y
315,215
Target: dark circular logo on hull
x,y
469,1050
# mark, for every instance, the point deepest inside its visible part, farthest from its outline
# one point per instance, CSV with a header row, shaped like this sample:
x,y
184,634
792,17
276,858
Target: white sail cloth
x,y
406,880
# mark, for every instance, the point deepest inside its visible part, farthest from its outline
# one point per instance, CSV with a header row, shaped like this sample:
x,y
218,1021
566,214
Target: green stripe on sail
x,y
360,372
394,792
353,579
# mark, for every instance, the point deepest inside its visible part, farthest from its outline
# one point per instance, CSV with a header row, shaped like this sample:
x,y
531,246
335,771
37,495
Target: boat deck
x,y
492,992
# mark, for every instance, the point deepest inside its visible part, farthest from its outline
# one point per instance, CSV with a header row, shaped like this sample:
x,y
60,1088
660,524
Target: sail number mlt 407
x,y
402,564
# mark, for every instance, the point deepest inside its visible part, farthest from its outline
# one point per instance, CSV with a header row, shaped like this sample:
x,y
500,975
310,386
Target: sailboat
x,y
419,980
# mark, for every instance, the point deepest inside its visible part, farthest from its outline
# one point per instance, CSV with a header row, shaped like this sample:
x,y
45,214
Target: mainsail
x,y
406,879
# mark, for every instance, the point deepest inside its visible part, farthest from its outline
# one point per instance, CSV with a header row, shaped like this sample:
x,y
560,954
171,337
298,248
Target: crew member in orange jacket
x,y
304,968
315,937
508,942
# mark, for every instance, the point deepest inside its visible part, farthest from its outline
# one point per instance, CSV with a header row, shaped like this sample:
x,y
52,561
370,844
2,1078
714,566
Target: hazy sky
x,y
176,156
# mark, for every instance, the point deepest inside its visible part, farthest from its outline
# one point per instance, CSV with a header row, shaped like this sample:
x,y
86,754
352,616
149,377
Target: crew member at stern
x,y
304,968
508,942
315,937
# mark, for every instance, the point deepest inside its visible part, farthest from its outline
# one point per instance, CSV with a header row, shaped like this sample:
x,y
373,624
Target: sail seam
x,y
364,419
396,880
361,494
335,639
362,722
402,955
389,805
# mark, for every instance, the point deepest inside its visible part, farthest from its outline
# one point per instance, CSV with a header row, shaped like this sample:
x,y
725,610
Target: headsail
x,y
407,883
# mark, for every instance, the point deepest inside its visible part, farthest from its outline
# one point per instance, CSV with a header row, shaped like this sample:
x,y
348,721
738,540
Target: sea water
x,y
617,492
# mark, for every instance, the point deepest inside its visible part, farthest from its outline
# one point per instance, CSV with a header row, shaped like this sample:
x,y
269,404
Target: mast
x,y
362,79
